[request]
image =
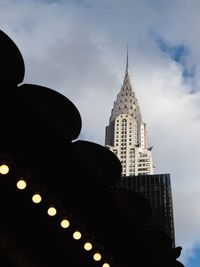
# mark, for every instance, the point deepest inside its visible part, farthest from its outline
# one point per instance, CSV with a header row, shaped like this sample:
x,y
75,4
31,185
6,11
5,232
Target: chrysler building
x,y
126,134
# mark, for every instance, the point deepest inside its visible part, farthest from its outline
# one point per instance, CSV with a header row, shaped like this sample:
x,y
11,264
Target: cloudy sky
x,y
78,47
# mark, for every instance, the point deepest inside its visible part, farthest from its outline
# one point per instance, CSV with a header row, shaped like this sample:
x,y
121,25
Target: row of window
x,y
124,132
121,117
139,165
123,135
123,138
123,144
143,160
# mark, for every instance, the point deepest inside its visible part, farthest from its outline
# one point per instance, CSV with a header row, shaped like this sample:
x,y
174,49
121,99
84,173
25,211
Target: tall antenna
x,y
127,59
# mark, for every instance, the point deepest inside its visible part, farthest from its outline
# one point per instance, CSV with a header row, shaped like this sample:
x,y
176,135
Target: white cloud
x,y
79,47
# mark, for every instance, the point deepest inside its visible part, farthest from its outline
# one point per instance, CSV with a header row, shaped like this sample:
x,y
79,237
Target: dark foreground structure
x,y
59,202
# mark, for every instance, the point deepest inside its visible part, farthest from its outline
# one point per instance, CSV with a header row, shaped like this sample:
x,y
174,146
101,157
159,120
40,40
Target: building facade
x,y
126,134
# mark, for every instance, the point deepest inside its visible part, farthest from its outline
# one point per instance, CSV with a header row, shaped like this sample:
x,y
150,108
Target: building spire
x,y
126,82
126,102
127,59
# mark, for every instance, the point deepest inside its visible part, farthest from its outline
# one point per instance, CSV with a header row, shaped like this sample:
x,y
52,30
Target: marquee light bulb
x,y
52,211
36,198
88,246
77,235
21,184
97,256
65,223
4,169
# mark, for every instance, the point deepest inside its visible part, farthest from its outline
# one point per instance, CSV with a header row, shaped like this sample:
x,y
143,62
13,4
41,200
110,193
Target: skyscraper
x,y
126,134
126,137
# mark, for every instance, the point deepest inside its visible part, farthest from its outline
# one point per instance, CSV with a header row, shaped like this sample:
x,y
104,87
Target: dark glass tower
x,y
157,189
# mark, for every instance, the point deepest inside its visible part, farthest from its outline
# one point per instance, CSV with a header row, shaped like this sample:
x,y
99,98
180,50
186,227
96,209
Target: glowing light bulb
x,y
88,246
36,198
65,223
106,265
77,235
4,169
21,184
97,256
52,211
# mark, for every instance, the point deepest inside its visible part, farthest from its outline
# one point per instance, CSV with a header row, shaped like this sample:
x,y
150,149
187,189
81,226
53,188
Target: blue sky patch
x,y
195,261
178,53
